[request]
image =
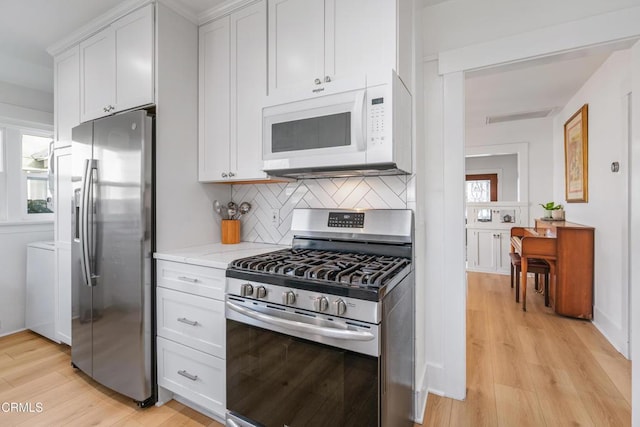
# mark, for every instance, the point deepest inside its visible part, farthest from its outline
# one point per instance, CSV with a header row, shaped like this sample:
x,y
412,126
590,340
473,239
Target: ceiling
x,y
531,86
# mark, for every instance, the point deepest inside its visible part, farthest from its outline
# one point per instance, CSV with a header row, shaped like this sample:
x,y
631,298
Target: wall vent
x,y
519,116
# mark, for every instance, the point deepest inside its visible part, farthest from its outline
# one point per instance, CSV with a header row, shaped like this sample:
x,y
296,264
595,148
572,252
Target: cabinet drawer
x,y
197,376
205,281
191,320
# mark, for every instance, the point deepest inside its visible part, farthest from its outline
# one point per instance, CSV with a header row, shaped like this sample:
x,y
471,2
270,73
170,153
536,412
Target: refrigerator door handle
x,y
85,258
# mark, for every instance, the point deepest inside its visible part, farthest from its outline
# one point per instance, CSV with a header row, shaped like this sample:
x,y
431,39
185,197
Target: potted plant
x,y
553,211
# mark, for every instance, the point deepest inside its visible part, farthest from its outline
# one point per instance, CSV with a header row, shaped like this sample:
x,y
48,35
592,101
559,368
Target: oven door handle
x,y
343,334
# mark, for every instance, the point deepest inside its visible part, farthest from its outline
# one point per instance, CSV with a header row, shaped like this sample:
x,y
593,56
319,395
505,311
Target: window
x,y
482,188
35,170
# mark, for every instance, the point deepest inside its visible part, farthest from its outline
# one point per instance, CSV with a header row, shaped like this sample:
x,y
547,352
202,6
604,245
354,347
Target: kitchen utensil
x,y
232,213
218,208
244,208
232,205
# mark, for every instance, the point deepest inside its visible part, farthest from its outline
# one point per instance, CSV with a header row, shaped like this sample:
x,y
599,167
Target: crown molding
x,y
181,9
96,25
222,10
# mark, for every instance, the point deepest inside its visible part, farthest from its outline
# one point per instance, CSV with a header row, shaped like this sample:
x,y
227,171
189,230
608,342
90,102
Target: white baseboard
x,y
12,332
613,333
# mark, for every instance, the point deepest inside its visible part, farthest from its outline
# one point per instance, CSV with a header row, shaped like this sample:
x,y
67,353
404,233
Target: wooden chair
x,y
535,266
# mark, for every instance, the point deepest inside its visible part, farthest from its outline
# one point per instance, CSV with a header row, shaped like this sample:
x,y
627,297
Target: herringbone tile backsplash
x,y
388,192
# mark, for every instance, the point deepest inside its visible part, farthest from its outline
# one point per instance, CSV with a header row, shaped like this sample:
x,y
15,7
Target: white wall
x,y
13,265
506,166
538,134
607,209
184,207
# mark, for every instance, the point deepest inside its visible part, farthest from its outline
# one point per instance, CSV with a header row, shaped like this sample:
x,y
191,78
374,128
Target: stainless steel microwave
x,y
364,131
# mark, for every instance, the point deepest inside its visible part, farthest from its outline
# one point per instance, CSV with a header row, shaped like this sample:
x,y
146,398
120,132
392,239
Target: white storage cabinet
x,y
232,79
191,334
116,66
319,46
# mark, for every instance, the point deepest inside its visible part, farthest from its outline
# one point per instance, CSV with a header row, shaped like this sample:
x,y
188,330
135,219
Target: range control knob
x,y
289,298
246,290
341,307
321,304
261,292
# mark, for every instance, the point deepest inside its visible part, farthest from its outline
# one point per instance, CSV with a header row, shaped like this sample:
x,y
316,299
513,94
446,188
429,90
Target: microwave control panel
x,y
376,121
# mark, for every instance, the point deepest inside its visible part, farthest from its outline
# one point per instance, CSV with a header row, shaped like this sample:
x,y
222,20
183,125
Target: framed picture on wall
x,y
576,158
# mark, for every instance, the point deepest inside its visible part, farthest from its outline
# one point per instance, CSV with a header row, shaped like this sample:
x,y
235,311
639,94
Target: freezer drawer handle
x,y
187,321
188,375
188,279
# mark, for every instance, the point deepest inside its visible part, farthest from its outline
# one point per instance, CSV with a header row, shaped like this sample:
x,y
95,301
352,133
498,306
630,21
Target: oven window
x,y
277,380
307,134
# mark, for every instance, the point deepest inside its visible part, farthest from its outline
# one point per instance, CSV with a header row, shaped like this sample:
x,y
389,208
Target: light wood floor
x,y
523,369
533,368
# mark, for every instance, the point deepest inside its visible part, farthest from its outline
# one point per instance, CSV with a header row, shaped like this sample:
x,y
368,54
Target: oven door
x,y
278,379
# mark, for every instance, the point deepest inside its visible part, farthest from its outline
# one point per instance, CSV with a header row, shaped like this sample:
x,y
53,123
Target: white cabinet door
x,y
214,125
134,59
248,89
485,241
116,66
63,210
191,320
192,374
67,95
488,250
97,75
360,39
296,44
503,247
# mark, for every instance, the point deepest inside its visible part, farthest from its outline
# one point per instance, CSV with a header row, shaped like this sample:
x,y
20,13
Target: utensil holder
x,y
230,231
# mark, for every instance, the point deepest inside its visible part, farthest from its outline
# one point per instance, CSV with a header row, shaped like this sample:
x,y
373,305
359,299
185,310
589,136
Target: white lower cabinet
x,y
488,250
192,374
191,334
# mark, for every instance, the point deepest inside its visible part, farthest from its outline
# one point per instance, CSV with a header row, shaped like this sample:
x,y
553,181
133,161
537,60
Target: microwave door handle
x,y
359,119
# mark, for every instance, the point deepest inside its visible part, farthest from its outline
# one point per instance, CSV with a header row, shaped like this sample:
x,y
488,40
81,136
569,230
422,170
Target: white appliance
x,y
40,298
364,131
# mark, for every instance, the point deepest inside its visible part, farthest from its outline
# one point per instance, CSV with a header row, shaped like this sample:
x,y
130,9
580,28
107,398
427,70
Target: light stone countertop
x,y
216,255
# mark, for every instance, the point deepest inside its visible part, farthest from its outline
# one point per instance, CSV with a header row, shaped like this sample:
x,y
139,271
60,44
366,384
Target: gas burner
x,y
346,268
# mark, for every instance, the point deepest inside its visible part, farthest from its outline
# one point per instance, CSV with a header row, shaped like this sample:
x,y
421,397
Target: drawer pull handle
x,y
187,321
187,279
188,375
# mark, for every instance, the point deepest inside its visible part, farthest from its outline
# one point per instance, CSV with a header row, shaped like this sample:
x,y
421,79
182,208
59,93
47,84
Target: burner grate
x,y
347,268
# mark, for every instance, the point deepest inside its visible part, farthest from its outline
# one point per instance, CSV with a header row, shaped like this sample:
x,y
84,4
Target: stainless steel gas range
x,y
322,334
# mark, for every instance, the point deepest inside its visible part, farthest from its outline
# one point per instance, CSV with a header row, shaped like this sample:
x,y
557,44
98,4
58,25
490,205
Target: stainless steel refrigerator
x,y
112,247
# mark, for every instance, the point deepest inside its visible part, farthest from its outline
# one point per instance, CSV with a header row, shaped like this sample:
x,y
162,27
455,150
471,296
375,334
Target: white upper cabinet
x,y
116,66
67,95
316,46
214,81
232,78
296,43
248,89
97,75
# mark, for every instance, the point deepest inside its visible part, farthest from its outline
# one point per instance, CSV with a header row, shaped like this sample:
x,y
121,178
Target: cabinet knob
x,y
224,174
327,79
318,81
231,174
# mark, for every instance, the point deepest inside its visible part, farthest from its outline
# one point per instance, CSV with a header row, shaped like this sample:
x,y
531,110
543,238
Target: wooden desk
x,y
569,250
